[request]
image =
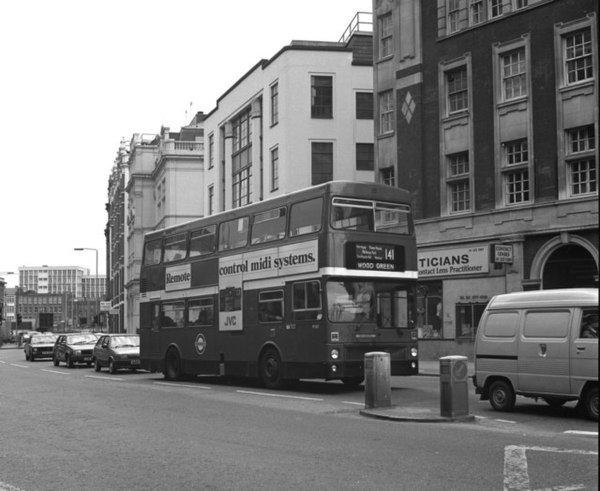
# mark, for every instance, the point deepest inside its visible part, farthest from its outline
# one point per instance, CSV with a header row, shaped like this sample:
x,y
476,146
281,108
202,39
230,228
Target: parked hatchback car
x,y
39,346
74,348
117,351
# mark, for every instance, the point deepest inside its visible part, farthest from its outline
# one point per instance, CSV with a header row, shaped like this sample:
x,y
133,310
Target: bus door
x,y
150,332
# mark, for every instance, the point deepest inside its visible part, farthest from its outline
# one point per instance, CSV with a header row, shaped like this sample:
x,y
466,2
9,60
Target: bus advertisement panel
x,y
300,286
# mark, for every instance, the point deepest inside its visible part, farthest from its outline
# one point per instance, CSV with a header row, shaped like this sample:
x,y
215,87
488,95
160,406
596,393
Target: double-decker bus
x,y
298,286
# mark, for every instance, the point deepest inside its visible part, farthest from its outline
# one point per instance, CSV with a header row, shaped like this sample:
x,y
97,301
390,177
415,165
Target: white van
x,y
539,344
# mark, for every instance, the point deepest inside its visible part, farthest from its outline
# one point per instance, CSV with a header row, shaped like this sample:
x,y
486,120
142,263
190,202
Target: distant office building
x,y
487,111
62,279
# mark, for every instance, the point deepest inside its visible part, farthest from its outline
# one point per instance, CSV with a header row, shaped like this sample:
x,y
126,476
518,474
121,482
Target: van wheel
x,y
590,403
502,396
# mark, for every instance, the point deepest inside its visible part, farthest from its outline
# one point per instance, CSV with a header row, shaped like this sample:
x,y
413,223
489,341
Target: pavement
x,y
425,413
415,414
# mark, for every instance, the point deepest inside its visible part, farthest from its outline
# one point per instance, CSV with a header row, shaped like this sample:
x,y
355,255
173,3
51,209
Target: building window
x,y
241,159
211,151
581,161
453,15
457,90
322,162
321,101
387,176
365,157
211,199
274,169
515,170
514,74
274,104
476,11
467,319
386,111
521,4
578,56
364,105
458,181
386,30
495,8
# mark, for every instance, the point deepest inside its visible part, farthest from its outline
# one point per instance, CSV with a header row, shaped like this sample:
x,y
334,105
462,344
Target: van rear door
x,y
544,348
584,351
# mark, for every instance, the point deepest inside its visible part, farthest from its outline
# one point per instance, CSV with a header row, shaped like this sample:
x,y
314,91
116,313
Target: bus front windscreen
x,y
385,303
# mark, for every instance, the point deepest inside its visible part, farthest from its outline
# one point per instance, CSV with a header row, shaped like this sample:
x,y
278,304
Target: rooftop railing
x,y
361,22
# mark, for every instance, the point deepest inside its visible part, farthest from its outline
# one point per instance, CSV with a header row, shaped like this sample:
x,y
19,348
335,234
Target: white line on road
x,y
20,366
506,421
55,371
171,384
354,403
277,395
578,432
7,487
104,378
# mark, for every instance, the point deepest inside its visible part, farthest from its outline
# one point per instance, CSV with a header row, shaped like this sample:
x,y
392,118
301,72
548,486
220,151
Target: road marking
x,y
278,395
7,487
173,384
20,366
99,377
516,475
55,371
506,421
577,432
354,403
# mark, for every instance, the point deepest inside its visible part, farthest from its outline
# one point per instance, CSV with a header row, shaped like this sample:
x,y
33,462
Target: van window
x,y
501,325
552,324
589,324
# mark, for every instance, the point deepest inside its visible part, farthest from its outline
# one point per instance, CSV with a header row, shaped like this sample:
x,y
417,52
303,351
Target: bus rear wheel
x,y
172,370
270,369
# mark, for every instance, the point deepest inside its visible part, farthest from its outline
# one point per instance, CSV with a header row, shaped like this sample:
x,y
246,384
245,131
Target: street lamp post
x,y
95,277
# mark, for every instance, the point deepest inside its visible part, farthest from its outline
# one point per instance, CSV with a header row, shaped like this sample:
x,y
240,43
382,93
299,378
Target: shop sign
x,y
503,253
454,261
105,306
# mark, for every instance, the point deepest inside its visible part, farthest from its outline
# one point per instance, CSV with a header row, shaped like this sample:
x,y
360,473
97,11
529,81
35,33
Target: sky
x,y
78,76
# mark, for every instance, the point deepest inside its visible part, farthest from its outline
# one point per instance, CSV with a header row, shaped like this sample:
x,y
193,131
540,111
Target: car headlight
x,y
335,354
414,352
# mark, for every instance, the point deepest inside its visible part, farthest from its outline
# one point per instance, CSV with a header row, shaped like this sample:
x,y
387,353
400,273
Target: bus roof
x,y
567,297
365,190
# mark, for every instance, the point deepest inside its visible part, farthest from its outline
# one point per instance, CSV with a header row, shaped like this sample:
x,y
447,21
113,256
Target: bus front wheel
x,y
172,369
270,369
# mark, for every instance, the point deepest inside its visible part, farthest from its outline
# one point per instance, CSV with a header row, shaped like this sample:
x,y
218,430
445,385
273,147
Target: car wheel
x,y
97,366
69,362
271,374
172,369
111,366
590,403
502,396
55,361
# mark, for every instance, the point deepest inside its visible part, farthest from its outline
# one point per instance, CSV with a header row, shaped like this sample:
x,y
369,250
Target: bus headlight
x,y
335,354
414,352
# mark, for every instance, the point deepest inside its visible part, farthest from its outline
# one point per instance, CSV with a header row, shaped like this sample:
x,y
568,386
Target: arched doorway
x,y
570,266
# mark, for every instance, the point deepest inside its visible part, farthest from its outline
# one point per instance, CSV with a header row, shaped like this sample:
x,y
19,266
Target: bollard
x,y
454,390
378,383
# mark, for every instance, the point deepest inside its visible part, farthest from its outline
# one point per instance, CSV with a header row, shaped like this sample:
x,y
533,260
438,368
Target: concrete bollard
x,y
378,382
454,389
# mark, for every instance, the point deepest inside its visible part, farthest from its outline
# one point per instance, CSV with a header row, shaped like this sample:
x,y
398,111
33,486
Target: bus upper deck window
x,y
306,217
152,251
203,241
268,226
233,234
175,248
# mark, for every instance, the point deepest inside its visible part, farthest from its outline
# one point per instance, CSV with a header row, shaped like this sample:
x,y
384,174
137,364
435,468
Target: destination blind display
x,y
374,257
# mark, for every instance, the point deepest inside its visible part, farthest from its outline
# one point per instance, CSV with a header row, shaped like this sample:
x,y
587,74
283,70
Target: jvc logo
x,y
230,321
